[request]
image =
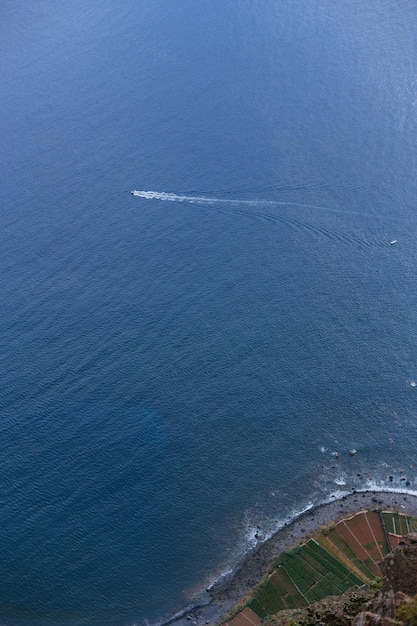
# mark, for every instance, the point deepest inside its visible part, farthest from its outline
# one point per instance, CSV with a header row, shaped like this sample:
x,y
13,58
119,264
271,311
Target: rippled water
x,y
180,365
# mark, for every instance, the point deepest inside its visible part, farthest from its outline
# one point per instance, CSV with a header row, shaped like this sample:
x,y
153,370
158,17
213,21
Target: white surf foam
x,y
387,487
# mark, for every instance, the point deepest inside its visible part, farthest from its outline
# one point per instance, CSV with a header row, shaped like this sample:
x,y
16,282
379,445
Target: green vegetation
x,y
375,584
399,524
341,545
407,612
303,575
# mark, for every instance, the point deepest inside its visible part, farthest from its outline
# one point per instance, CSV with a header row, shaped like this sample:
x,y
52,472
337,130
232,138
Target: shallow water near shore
x,y
189,367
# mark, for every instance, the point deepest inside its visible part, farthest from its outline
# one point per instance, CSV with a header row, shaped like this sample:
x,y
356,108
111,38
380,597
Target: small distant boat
x,y
392,242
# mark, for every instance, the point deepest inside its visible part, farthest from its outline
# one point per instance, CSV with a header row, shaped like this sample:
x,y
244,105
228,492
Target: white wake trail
x,y
173,197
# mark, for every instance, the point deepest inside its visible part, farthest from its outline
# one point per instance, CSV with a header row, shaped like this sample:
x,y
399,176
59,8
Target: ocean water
x,y
180,366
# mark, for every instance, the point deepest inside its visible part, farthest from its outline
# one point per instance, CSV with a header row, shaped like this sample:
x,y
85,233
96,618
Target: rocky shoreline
x,y
228,591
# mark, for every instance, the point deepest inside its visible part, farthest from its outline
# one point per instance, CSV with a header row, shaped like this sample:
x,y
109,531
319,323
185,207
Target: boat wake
x,y
250,208
173,197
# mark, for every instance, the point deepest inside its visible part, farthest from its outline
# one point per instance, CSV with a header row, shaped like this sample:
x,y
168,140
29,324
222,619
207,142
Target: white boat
x,y
392,242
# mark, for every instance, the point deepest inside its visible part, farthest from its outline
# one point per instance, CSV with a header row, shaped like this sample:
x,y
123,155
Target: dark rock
x,y
366,618
400,568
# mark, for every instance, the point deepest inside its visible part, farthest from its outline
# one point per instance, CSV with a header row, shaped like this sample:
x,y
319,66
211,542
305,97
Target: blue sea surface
x,y
179,367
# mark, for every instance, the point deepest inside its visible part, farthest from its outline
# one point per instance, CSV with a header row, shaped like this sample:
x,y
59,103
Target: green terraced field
x,y
395,523
340,544
303,575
